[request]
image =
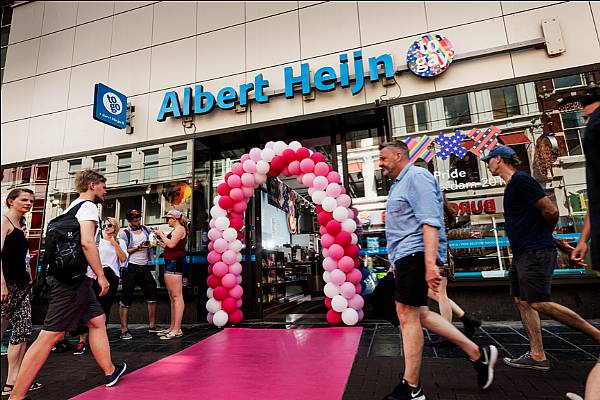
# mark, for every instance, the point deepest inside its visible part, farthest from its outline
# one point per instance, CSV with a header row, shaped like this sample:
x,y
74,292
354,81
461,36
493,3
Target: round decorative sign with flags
x,y
430,56
337,219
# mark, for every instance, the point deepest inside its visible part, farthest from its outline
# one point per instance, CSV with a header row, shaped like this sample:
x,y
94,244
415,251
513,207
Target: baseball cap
x,y
131,214
174,214
502,151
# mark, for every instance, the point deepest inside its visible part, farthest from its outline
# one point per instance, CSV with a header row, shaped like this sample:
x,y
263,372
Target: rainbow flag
x,y
420,148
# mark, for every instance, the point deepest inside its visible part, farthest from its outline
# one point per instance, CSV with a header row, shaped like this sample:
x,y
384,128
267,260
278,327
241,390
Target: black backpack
x,y
63,252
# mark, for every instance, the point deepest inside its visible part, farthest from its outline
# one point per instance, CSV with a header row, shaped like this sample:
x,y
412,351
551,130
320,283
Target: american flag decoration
x,y
420,148
484,140
451,145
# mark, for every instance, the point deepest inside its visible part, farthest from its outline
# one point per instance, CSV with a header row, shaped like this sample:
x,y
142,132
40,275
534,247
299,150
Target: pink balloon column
x,y
338,227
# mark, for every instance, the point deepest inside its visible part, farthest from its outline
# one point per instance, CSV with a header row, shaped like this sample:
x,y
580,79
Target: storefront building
x,y
207,81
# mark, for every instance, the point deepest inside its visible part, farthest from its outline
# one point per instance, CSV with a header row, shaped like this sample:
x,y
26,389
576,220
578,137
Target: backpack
x,y
63,252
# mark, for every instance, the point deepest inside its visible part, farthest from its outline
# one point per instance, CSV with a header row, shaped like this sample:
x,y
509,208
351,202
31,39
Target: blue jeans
x,y
175,267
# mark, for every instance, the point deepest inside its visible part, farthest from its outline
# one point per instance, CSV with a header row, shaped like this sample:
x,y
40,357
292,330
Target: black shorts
x,y
530,275
133,276
71,306
411,286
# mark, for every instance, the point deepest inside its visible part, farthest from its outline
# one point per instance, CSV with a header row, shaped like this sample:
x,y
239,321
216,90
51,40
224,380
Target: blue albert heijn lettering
x,y
326,79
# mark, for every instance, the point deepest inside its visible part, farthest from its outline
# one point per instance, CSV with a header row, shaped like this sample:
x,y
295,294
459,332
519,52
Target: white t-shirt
x,y
140,257
108,255
87,212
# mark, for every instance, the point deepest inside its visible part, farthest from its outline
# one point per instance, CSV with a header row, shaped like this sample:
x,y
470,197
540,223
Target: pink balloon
x,y
320,183
356,263
322,231
352,251
211,246
294,167
307,165
235,181
249,166
236,317
347,289
236,223
354,276
214,234
343,238
345,263
356,302
229,257
236,268
229,281
302,153
220,293
210,271
335,251
333,190
236,195
343,190
334,177
213,281
236,292
334,317
248,191
344,200
225,202
361,315
229,304
237,169
221,245
327,240
333,228
325,252
248,180
321,169
286,172
288,155
244,157
238,279
255,154
329,264
239,303
220,269
337,276
300,178
213,257
209,318
308,179
239,207
358,289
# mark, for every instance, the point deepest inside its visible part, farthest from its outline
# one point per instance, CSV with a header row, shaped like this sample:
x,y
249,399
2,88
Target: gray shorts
x,y
71,305
530,275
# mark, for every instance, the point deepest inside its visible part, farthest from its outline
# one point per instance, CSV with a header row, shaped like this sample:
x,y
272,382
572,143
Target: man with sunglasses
x,y
137,272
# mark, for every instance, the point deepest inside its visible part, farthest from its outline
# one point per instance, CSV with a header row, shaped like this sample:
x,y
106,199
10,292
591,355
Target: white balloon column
x,y
337,220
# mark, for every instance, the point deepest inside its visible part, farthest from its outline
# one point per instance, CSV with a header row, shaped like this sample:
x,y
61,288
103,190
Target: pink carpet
x,y
303,364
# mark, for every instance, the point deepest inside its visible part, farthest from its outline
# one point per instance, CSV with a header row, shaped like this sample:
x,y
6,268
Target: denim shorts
x,y
176,267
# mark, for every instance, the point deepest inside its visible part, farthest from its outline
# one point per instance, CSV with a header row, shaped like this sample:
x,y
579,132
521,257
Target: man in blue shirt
x,y
530,217
416,246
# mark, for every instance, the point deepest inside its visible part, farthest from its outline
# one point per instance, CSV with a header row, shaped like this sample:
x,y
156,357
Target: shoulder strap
x,y
128,235
73,211
9,220
146,231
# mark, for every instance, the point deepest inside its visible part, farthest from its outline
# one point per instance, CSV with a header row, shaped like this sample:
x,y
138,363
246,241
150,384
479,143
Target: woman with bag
x,y
16,283
175,269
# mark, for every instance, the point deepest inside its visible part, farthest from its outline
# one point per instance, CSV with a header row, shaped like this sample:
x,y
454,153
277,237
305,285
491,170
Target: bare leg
x,y
456,310
169,285
83,337
33,361
152,314
99,344
442,299
16,352
412,342
177,304
568,317
123,315
435,323
592,386
533,327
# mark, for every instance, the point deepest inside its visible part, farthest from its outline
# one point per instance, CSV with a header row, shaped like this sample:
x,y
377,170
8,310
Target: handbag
x,y
384,299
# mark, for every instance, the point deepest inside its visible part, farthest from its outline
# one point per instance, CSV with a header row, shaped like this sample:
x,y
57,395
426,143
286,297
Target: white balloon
x,y
329,204
340,214
311,191
268,154
260,178
217,211
295,145
220,318
213,305
349,316
326,277
269,145
279,147
222,223
239,257
236,245
262,167
354,238
211,224
209,292
339,303
331,290
349,225
216,200
318,196
230,234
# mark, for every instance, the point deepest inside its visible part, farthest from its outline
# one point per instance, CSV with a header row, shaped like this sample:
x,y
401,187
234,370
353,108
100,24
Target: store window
x,y
74,167
126,204
416,117
179,159
573,127
150,164
123,167
505,102
26,174
569,81
152,211
469,164
100,164
457,110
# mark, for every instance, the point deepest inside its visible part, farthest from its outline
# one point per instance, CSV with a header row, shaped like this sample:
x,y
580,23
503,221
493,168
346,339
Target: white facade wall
x,y
59,50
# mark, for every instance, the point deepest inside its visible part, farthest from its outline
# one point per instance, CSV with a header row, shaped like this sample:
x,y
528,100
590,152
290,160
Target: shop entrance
x,y
282,259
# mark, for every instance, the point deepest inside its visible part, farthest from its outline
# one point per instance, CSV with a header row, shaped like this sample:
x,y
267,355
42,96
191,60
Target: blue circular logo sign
x,y
112,103
430,56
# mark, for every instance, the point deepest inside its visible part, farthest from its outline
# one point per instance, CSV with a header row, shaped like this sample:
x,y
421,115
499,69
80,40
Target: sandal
x,y
163,332
171,335
35,386
7,392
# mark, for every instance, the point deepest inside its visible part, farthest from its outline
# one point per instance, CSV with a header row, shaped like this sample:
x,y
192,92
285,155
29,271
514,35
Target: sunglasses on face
x,y
104,226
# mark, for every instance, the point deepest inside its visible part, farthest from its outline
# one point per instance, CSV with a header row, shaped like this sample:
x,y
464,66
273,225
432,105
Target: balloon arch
x,y
338,223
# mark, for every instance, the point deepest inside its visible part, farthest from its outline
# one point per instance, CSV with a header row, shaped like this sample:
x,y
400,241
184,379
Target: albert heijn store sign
x,y
427,57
